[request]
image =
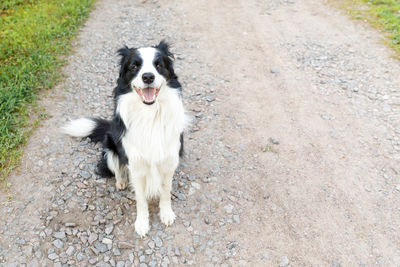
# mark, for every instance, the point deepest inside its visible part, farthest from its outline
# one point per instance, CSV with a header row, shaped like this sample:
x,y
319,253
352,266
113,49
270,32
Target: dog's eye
x,y
134,67
158,66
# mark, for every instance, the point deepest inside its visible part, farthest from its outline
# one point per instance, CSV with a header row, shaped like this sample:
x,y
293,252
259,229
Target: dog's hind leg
x,y
120,171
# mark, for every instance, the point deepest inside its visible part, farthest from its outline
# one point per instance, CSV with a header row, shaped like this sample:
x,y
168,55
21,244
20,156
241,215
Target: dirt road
x,y
292,158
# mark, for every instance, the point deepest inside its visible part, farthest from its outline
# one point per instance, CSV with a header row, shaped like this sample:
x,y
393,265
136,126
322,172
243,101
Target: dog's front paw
x,y
121,184
167,216
142,227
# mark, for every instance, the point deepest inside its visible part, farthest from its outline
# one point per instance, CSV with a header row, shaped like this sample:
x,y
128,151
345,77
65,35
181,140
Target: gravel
x,y
80,256
274,141
284,261
116,252
81,220
53,256
109,229
20,241
106,241
58,244
158,241
101,247
70,251
59,235
228,208
275,71
93,237
70,224
125,245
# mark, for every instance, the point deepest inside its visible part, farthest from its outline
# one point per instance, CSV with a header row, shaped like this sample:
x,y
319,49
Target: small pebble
x,y
70,251
228,208
59,235
116,252
275,71
274,141
284,261
106,241
58,244
52,256
125,245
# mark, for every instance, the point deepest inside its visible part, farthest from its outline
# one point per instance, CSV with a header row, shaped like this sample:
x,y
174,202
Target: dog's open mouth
x,y
148,94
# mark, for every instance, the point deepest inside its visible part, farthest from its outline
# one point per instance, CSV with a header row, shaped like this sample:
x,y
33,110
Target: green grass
x,y
382,14
34,34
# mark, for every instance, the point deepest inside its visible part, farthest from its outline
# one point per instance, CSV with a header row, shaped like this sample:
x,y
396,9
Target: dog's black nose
x,y
148,77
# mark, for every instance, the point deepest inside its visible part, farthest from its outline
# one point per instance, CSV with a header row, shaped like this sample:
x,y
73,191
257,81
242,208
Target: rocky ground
x,y
292,157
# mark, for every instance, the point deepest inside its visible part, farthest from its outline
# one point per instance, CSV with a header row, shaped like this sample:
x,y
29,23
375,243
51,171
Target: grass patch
x,y
33,35
266,148
382,14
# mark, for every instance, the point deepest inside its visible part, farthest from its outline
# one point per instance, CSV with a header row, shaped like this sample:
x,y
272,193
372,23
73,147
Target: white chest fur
x,y
152,131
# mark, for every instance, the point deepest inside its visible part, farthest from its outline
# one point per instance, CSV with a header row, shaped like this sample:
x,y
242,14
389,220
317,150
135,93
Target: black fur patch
x,y
102,168
167,58
181,149
110,133
131,63
102,127
118,130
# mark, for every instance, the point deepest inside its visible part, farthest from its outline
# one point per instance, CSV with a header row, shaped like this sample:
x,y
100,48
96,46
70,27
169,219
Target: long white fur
x,y
79,128
151,143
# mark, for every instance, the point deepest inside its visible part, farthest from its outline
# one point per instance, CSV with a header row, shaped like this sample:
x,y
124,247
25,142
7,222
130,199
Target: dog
x,y
143,142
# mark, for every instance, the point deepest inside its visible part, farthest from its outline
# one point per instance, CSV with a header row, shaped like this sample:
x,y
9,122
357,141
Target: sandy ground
x,y
292,157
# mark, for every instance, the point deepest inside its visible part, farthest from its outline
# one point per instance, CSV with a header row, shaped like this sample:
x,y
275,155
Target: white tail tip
x,y
79,128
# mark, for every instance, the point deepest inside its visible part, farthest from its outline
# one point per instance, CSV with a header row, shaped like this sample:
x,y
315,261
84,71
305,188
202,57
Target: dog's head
x,y
147,70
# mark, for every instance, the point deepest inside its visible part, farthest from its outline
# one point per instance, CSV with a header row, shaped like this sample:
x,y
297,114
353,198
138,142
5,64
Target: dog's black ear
x,y
163,46
168,58
124,52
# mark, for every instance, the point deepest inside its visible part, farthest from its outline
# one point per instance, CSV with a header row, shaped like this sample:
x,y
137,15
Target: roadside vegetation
x,y
382,14
34,35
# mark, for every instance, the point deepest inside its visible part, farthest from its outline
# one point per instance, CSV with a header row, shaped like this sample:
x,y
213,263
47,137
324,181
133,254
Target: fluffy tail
x,y
95,128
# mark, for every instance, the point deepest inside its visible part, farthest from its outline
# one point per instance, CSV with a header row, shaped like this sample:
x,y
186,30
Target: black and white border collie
x,y
144,139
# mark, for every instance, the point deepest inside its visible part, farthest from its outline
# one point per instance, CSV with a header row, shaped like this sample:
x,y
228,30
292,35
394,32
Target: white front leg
x,y
142,211
167,215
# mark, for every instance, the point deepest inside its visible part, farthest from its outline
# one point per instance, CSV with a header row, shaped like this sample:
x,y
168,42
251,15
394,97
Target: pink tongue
x,y
148,94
